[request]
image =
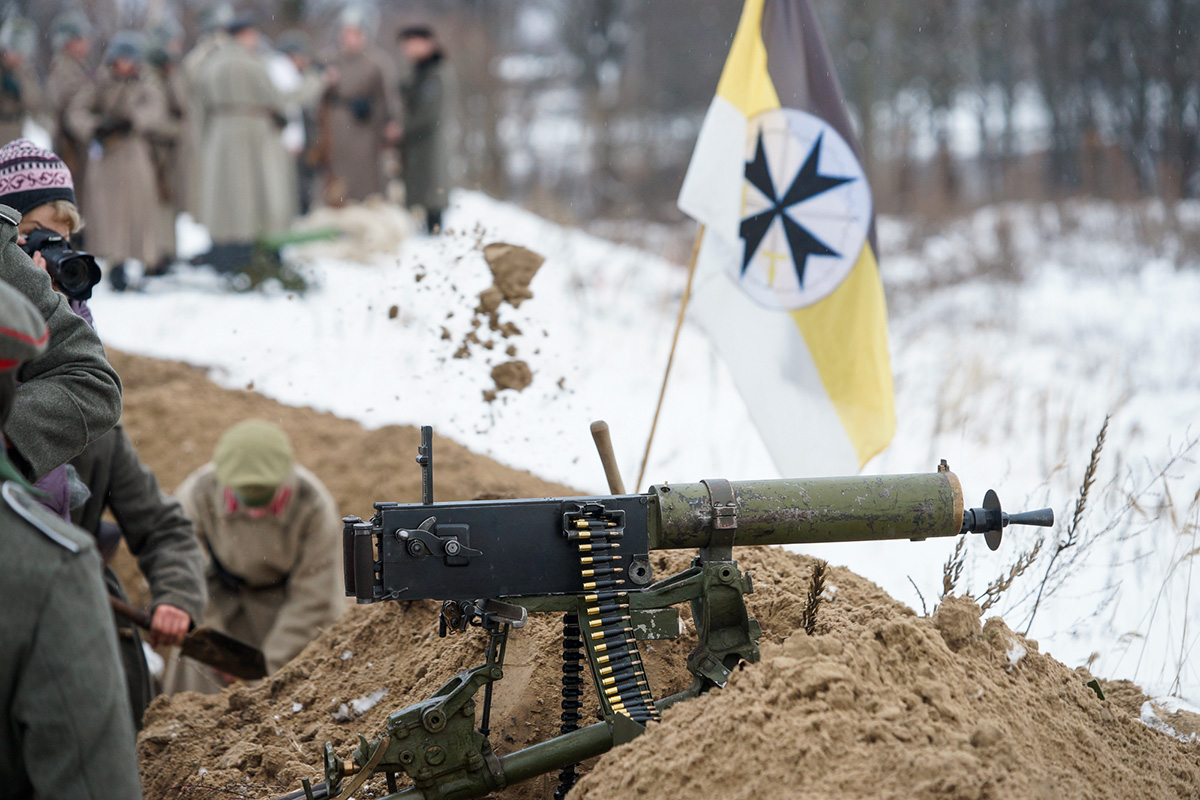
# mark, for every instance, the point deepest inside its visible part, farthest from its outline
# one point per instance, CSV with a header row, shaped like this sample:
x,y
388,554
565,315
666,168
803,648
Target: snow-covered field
x,y
1014,332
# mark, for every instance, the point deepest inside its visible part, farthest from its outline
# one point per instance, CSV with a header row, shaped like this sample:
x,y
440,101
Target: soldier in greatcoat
x,y
21,93
428,95
212,35
249,184
67,730
168,141
362,112
119,111
272,537
70,74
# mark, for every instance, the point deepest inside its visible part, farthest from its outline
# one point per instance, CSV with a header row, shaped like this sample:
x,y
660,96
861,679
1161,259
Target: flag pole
x,y
687,294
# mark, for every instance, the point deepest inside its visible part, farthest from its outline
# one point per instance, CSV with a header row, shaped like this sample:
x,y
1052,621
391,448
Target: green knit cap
x,y
253,458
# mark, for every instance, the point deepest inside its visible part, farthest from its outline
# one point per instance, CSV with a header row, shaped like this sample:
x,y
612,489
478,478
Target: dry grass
x,y
812,605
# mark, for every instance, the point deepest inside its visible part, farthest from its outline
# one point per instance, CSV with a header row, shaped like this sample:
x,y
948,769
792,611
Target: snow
x,y
1014,332
1152,709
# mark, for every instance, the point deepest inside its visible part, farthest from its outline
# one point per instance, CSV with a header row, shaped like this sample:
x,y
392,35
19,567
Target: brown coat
x,y
67,78
290,565
249,181
360,105
123,200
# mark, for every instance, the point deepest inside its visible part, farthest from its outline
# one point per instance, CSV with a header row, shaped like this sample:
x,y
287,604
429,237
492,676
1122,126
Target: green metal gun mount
x,y
492,562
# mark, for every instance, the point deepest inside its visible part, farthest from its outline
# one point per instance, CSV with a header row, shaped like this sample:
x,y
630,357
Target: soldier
x,y
273,540
362,111
168,142
305,97
67,731
20,92
119,111
153,525
249,181
428,95
213,22
71,36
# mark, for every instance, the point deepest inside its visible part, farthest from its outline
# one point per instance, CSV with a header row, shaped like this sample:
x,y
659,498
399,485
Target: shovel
x,y
207,646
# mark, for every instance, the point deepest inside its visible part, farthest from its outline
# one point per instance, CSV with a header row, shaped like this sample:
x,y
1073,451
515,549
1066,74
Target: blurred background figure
x,y
360,111
20,91
303,101
168,142
248,181
119,111
427,92
213,22
70,73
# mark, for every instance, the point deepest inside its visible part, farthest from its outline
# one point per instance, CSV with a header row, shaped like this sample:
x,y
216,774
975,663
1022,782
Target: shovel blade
x,y
225,653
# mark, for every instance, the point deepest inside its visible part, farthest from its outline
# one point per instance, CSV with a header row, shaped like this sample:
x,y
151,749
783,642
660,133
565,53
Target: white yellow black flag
x,y
787,283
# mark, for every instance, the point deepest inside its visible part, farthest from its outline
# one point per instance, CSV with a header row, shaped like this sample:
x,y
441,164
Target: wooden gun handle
x,y
607,457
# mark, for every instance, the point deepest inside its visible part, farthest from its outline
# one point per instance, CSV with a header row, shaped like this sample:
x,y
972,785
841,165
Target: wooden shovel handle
x,y
139,616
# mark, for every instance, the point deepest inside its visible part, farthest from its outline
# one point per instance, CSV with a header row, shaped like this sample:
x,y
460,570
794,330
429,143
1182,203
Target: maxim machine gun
x,y
493,561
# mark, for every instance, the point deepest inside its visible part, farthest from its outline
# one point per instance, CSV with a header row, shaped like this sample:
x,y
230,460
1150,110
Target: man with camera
x,y
37,183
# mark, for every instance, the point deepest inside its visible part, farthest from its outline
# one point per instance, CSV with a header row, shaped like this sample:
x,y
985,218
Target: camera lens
x,y
73,275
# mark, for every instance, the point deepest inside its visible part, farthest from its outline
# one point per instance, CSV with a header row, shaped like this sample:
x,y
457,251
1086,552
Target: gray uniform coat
x,y
70,395
157,533
428,93
66,729
249,181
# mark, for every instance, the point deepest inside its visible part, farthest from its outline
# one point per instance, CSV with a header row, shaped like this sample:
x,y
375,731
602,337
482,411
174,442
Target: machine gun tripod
x,y
494,561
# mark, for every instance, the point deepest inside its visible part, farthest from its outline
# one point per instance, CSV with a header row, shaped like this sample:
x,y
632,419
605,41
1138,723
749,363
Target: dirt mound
x,y
877,703
904,707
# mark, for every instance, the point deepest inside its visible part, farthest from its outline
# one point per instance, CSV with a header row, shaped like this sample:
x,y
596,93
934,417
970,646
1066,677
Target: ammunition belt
x,y
604,622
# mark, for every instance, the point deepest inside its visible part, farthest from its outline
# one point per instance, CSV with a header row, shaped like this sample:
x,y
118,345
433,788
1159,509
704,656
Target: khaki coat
x,y
428,94
67,78
249,181
122,199
290,566
359,105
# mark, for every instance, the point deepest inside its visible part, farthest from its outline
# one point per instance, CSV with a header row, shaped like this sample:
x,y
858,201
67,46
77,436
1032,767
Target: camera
x,y
73,271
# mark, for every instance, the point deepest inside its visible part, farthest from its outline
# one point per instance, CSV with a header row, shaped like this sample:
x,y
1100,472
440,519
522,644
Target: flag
x,y
787,285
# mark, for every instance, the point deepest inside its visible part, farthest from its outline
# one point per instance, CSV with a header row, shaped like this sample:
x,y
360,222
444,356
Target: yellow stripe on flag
x,y
744,81
846,334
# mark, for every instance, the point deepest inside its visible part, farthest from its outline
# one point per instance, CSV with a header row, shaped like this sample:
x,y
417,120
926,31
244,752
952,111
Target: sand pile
x,y
877,703
373,227
901,707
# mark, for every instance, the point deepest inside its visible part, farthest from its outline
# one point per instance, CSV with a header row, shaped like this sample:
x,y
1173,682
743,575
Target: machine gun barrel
x,y
809,510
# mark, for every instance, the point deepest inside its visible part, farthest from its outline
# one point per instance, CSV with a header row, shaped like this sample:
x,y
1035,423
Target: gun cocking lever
x,y
425,459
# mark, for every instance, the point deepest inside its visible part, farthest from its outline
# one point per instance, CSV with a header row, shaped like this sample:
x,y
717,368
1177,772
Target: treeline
x,y
589,108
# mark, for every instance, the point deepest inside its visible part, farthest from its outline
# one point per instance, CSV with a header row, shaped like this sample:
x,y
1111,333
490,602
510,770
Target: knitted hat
x,y
31,176
253,454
